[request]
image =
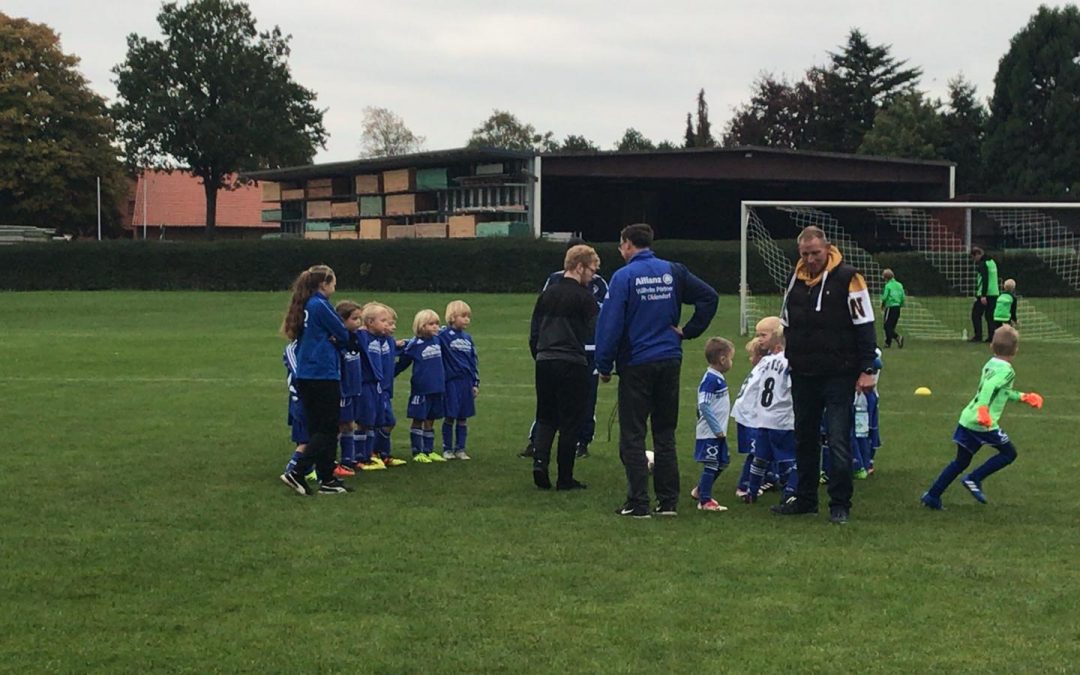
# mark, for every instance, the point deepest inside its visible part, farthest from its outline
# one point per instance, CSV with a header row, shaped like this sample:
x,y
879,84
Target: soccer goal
x,y
928,245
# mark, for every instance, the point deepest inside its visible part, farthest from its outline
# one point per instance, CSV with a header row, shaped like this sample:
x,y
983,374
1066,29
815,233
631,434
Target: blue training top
x,y
425,356
316,355
459,355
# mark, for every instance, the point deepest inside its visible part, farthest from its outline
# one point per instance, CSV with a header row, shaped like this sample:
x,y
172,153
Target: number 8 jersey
x,y
764,400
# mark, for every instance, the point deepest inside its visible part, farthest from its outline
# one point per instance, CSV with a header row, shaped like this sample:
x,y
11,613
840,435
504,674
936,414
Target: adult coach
x,y
562,323
638,332
986,295
829,327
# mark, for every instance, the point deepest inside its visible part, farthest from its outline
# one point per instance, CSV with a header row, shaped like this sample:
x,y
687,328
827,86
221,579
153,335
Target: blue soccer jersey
x,y
351,371
372,363
296,418
713,405
428,372
388,353
459,355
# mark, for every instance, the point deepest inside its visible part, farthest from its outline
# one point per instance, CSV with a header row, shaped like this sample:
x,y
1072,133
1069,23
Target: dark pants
x,y
649,393
811,395
978,310
561,390
321,400
588,423
892,317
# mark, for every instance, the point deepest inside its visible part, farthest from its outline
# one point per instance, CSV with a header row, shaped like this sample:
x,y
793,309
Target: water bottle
x,y
963,334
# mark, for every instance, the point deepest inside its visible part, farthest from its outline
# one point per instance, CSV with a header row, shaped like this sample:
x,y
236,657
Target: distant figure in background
x,y
892,299
986,295
1005,307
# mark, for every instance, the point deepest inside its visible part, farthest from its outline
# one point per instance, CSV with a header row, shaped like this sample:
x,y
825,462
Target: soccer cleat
x,y
342,471
582,450
436,457
871,470
370,465
572,485
974,488
529,451
711,505
448,455
749,498
312,476
792,507
931,502
334,487
393,461
694,494
900,341
296,483
765,487
740,493
839,515
628,511
662,510
861,474
421,458
461,454
823,478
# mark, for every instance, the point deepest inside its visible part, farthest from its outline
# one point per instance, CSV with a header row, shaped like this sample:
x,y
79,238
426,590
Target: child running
x,y
713,408
979,422
462,378
428,384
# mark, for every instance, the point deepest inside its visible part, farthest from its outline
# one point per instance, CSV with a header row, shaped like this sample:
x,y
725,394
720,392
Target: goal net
x,y
927,245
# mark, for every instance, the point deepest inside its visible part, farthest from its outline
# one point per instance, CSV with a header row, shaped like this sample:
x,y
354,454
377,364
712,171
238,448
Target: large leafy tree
x,y
965,128
1033,136
911,128
576,143
504,130
634,140
774,117
55,138
385,134
215,95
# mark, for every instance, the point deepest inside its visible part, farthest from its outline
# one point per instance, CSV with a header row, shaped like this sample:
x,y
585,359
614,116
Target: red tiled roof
x,y
177,200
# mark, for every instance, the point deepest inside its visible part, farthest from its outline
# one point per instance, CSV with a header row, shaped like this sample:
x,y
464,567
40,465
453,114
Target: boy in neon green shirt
x,y
892,299
979,422
1005,306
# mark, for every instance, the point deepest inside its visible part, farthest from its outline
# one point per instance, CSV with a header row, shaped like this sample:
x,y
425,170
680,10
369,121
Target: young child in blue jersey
x,y
296,419
769,394
745,418
865,437
320,334
386,421
376,324
462,378
978,424
713,408
427,385
351,371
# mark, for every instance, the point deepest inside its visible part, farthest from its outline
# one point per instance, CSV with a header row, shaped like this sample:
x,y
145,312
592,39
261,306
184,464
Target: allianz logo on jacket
x,y
654,288
646,281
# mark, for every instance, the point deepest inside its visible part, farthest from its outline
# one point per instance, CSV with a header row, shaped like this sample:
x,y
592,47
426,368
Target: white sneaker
x,y
694,493
461,454
449,455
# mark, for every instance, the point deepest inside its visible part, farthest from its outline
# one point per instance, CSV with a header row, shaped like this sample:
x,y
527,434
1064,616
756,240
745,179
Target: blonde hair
x,y
775,329
1009,285
582,254
456,308
887,273
374,310
422,317
719,350
1006,341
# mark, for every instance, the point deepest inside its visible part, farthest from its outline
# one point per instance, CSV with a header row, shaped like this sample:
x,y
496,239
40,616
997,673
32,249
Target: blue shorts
x,y
711,450
298,422
426,407
349,409
367,411
386,412
973,440
745,437
775,445
459,401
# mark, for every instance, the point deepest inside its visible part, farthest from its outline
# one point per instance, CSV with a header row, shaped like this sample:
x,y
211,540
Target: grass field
x,y
144,527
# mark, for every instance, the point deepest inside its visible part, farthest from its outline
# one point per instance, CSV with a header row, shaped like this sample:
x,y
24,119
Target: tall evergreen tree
x,y
965,129
1032,143
703,135
689,137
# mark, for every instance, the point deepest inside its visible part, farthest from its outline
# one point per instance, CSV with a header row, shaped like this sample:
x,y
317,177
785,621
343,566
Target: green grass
x,y
144,527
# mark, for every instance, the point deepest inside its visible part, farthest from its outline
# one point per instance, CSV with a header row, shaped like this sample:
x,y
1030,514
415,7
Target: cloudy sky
x,y
585,67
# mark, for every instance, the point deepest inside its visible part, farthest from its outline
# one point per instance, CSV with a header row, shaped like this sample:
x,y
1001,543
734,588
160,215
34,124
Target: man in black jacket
x,y
829,328
562,323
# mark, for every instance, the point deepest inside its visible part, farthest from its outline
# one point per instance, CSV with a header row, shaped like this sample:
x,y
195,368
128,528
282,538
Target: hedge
x,y
488,265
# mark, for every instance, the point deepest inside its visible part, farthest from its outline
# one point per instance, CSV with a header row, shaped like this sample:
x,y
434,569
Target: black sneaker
x,y
838,515
334,487
628,511
296,483
572,485
529,451
582,450
662,510
792,507
541,478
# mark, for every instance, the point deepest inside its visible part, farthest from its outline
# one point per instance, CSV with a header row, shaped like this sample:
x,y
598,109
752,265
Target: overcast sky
x,y
569,66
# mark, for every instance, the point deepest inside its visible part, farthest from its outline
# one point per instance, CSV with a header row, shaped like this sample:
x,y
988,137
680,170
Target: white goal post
x,y
933,239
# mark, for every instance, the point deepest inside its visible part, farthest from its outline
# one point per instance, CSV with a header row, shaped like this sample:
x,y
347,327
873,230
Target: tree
x,y
703,135
1033,137
633,140
965,129
911,128
215,95
775,117
385,135
55,138
574,143
689,136
504,130
666,145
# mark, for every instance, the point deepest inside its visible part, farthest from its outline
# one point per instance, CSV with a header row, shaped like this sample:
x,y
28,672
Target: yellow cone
x,y
922,391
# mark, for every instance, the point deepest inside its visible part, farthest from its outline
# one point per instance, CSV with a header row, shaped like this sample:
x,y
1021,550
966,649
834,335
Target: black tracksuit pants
x,y
812,396
649,394
561,393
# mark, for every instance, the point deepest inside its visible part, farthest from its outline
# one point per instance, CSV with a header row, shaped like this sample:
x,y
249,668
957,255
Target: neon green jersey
x,y
995,390
892,295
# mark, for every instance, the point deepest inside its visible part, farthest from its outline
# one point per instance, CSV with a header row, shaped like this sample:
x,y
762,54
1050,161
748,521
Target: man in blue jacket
x,y
638,333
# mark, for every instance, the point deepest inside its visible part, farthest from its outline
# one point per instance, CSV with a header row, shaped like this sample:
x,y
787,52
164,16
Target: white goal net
x,y
928,247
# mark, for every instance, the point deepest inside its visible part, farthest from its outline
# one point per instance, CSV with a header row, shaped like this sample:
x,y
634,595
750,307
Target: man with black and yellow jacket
x,y
828,317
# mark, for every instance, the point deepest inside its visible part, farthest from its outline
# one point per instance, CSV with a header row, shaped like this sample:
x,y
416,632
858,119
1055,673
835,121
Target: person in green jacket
x,y
978,424
892,299
1005,307
986,294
